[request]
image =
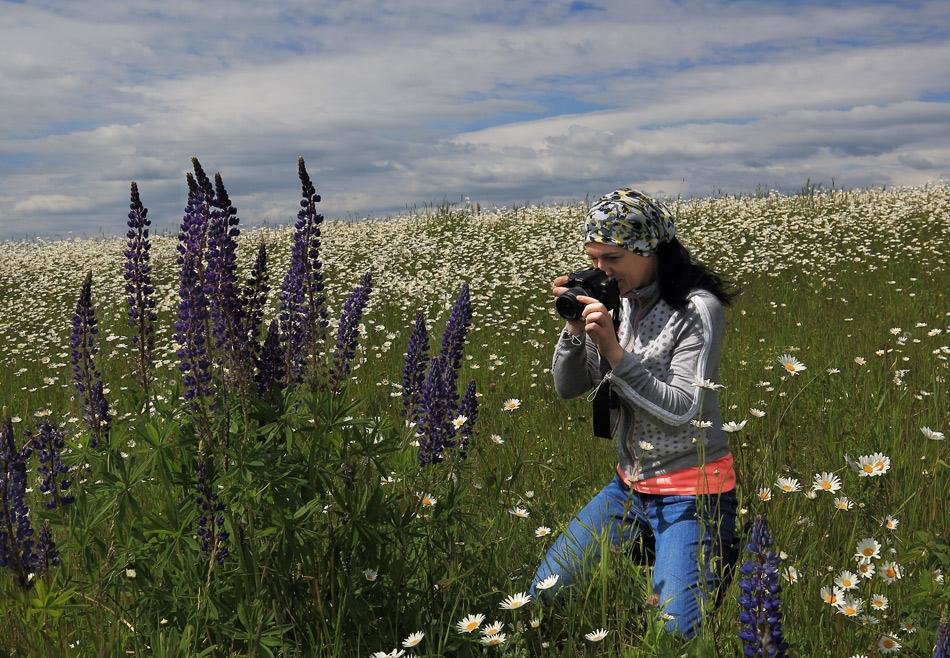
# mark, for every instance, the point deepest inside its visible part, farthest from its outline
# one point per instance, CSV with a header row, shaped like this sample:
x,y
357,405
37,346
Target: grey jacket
x,y
666,351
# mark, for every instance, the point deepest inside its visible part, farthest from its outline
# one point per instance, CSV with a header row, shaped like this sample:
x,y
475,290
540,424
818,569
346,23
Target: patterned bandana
x,y
629,219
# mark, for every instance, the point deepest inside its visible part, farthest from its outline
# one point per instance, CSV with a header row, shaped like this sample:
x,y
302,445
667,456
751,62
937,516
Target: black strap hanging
x,y
605,399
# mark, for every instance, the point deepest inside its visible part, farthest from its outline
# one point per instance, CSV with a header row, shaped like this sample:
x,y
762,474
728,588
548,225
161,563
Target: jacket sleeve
x,y
575,365
695,355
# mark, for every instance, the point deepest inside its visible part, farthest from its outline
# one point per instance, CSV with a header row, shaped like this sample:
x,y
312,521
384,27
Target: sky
x,y
401,105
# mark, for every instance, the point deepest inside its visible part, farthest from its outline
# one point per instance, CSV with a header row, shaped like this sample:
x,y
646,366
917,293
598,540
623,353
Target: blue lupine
x,y
225,304
302,309
254,299
48,443
468,407
348,331
192,325
760,606
210,522
942,646
439,394
270,361
47,555
138,286
88,380
413,375
16,531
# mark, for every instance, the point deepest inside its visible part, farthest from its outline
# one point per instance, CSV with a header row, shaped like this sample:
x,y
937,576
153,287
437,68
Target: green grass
x,y
825,277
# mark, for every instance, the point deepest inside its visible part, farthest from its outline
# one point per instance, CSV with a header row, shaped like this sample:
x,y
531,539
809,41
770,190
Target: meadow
x,y
340,542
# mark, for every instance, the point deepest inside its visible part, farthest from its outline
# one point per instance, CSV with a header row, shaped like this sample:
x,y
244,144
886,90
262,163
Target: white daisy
x,y
846,580
459,421
541,531
733,426
493,640
888,644
933,435
470,623
868,549
844,503
520,512
765,494
493,628
788,485
596,636
515,601
496,439
511,404
699,382
413,639
548,582
826,481
758,413
850,607
792,365
890,572
879,602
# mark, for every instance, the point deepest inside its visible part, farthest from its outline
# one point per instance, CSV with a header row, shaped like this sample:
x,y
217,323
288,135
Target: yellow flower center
x,y
826,485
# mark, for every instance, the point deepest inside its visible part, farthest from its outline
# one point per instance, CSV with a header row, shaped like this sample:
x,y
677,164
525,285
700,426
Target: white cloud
x,y
51,204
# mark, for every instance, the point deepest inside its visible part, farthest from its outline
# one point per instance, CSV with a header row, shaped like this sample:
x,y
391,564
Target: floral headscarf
x,y
630,219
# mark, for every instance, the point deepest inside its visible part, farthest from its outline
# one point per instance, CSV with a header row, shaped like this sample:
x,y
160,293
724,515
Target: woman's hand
x,y
599,325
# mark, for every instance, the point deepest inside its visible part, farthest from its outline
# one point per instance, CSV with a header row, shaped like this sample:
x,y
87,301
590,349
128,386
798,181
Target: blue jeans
x,y
668,526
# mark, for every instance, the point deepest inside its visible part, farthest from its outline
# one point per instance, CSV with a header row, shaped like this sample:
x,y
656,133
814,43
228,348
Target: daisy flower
x,y
493,628
548,582
868,549
427,500
791,364
413,639
888,644
470,623
700,423
370,574
516,601
860,360
733,426
520,512
765,494
541,531
511,404
699,382
790,574
788,485
535,622
890,571
850,607
832,595
825,481
846,580
933,435
879,602
865,569
832,371
844,503
459,421
496,439
758,413
493,640
596,636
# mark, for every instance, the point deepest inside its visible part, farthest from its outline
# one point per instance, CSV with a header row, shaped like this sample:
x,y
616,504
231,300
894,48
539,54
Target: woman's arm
x,y
696,355
575,365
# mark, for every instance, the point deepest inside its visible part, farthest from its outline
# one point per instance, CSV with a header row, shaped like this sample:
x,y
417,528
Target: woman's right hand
x,y
558,288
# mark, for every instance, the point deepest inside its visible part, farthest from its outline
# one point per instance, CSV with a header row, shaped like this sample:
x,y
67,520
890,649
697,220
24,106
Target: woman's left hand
x,y
600,327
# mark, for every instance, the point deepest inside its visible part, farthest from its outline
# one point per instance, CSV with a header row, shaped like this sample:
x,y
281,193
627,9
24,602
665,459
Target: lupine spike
x,y
348,331
88,380
47,555
49,443
210,522
413,375
270,362
942,646
16,531
254,298
138,287
759,600
468,407
192,325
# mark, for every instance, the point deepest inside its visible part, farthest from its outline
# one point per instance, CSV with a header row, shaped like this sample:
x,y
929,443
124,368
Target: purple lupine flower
x,y
760,611
942,647
47,555
348,331
302,311
413,375
48,443
254,298
138,286
439,394
270,362
192,325
221,284
88,380
468,407
16,531
210,523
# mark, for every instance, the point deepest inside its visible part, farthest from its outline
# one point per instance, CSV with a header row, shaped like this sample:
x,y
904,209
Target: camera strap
x,y
605,399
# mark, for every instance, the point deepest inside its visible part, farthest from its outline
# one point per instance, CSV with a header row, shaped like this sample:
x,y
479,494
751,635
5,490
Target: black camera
x,y
592,283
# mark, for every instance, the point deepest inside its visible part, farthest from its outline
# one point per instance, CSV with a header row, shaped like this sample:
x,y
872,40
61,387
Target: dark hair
x,y
679,273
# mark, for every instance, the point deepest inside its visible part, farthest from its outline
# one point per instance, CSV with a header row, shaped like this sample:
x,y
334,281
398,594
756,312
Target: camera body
x,y
591,282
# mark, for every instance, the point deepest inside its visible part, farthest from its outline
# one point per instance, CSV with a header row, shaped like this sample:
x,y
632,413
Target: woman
x,y
674,489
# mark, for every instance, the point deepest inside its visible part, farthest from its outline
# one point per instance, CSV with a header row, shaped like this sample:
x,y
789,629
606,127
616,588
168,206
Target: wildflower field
x,y
342,439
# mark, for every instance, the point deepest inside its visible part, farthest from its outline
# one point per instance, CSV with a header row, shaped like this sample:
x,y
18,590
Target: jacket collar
x,y
644,295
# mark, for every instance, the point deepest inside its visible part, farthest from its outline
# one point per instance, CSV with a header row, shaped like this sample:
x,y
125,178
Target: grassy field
x,y
852,283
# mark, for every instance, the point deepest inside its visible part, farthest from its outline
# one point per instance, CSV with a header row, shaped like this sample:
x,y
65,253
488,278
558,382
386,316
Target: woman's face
x,y
631,270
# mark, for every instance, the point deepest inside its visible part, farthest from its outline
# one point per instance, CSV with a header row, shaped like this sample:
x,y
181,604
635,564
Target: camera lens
x,y
567,305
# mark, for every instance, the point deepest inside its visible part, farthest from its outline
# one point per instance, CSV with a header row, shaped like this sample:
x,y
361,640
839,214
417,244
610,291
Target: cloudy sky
x,y
404,103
